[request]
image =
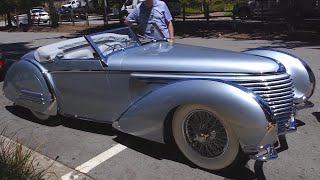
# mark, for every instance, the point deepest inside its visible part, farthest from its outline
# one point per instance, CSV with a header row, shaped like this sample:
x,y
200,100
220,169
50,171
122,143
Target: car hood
x,y
188,58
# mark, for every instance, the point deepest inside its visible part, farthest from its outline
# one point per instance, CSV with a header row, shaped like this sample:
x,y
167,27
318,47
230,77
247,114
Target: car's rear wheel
x,y
40,116
46,118
204,138
244,13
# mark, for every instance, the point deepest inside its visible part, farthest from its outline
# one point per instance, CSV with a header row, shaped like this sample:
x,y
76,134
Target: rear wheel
x,y
46,118
40,116
204,138
244,13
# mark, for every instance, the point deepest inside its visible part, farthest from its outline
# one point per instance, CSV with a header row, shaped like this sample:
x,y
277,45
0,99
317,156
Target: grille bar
x,y
277,91
264,84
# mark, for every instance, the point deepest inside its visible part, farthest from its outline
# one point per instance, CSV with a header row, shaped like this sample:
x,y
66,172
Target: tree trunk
x,y
53,14
105,14
9,19
87,5
29,18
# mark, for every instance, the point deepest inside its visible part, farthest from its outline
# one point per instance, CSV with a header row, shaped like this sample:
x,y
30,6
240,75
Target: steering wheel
x,y
113,47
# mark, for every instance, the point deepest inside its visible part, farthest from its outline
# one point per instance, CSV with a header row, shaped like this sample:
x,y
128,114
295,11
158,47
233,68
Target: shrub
x,y
18,162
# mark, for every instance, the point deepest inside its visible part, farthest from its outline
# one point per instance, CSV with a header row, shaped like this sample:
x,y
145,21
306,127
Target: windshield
x,y
150,33
109,42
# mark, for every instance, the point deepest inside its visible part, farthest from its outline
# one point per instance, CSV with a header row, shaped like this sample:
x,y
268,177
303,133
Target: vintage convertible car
x,y
217,105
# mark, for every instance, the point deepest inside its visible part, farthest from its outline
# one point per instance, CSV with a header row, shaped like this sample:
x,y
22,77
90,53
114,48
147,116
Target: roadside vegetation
x,y
18,162
198,6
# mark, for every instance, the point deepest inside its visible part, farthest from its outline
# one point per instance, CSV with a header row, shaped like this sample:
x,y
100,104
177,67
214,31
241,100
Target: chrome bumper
x,y
265,153
291,126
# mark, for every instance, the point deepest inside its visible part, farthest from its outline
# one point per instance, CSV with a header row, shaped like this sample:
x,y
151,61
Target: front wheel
x,y
204,138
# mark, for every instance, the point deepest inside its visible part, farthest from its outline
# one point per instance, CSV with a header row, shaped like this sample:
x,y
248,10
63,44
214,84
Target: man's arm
x,y
171,30
128,23
132,17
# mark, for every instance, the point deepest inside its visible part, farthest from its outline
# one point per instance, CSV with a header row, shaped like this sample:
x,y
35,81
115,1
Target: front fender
x,y
247,113
303,78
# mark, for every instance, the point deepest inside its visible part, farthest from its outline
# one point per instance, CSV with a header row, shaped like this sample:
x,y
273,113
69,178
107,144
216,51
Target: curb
x,y
55,169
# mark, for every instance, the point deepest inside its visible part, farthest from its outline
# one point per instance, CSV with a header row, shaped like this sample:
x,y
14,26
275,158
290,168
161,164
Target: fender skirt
x,y
26,85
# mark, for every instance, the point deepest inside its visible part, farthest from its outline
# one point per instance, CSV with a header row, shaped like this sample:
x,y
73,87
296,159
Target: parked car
x,y
75,4
37,15
217,105
2,66
276,8
79,13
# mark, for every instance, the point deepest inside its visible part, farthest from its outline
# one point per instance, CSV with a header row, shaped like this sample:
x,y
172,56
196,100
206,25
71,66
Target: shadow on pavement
x,y
149,148
307,34
171,152
14,50
317,115
78,124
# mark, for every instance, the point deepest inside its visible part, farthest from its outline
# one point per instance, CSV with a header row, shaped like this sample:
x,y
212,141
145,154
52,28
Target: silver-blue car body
x,y
215,104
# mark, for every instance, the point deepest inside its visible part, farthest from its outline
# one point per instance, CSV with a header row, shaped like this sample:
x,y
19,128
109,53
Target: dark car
x,y
2,66
79,13
276,8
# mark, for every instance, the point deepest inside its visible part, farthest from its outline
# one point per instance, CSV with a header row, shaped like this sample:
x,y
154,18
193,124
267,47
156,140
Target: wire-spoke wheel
x,y
204,138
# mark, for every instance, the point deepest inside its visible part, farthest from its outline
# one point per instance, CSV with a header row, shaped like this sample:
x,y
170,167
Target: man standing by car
x,y
149,12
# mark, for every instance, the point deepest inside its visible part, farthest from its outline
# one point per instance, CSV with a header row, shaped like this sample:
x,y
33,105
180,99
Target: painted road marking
x,y
43,162
94,162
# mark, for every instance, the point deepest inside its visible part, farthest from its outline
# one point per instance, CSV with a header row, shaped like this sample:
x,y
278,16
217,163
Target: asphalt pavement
x,y
75,142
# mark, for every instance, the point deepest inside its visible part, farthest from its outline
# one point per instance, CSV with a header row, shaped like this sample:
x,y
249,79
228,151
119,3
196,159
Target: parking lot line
x,y
43,162
94,162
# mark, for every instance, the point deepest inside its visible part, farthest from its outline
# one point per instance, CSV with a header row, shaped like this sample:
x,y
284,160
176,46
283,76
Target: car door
x,y
81,87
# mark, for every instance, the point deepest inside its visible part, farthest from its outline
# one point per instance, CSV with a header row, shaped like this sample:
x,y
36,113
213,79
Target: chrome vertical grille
x,y
277,91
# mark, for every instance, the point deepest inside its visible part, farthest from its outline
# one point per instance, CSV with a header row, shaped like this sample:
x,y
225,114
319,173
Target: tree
x,y
7,7
53,14
26,5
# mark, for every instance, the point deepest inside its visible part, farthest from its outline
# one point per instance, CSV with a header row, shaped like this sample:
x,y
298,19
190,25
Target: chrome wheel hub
x,y
205,133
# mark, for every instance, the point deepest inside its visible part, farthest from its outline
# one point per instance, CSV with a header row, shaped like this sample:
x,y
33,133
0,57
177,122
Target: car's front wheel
x,y
204,138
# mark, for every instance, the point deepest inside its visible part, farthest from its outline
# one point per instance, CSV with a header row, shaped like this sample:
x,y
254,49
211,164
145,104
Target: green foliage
x,y
196,6
19,5
17,162
221,5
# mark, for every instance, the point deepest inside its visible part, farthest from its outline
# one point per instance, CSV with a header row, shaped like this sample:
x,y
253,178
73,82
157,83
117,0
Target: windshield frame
x,y
103,58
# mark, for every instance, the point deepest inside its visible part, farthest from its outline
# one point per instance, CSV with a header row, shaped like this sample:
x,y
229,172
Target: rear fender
x,y
303,78
247,113
26,85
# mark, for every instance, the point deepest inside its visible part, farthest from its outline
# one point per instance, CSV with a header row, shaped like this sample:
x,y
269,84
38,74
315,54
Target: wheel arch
x,y
150,118
27,85
303,77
